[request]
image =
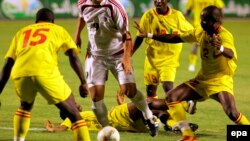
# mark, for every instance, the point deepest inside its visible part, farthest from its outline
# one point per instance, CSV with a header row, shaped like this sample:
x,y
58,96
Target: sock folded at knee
x,y
100,110
242,120
80,131
21,124
142,105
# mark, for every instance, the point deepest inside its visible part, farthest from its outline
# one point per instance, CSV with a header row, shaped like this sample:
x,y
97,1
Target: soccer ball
x,y
108,133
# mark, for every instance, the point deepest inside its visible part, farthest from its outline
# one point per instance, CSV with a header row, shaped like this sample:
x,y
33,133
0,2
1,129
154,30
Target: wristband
x,y
150,35
222,48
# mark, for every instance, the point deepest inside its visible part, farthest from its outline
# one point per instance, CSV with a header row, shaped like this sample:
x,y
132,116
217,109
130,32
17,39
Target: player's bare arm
x,y
80,26
127,52
167,38
50,127
5,74
77,67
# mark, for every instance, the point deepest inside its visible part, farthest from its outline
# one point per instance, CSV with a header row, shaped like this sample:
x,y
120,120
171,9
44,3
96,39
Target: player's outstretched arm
x,y
166,38
77,67
5,74
50,127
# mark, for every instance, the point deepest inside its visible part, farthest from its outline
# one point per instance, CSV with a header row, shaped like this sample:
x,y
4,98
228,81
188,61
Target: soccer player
x,y
124,117
109,49
161,59
193,9
215,78
32,63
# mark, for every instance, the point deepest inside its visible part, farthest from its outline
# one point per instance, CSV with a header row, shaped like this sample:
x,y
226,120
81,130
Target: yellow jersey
x,y
163,54
196,6
213,64
34,49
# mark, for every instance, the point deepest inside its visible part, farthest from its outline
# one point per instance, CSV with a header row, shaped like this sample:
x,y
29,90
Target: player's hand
x,y
142,32
49,126
216,41
83,89
120,97
78,41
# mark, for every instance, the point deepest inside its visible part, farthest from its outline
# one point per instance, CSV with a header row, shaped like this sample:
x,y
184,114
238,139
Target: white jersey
x,y
106,24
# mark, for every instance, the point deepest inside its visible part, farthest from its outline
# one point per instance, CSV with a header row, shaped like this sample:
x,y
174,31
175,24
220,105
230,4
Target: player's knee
x,y
26,106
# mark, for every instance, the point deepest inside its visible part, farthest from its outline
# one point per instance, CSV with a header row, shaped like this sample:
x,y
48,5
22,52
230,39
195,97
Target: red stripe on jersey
x,y
122,11
80,2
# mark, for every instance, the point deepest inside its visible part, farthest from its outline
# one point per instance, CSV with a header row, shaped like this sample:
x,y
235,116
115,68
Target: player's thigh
x,y
25,89
117,69
53,88
96,70
151,76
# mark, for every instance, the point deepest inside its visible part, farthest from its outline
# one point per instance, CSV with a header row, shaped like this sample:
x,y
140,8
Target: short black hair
x,y
213,12
45,14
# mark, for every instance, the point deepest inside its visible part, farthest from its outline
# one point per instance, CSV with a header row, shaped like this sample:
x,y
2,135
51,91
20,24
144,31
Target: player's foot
x,y
191,68
153,126
176,130
191,107
188,138
193,127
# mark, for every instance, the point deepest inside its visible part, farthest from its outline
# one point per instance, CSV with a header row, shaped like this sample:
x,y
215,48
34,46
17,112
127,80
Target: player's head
x,y
97,1
45,14
211,19
159,4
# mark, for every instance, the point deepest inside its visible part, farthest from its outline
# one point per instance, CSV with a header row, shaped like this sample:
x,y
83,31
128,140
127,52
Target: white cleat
x,y
191,68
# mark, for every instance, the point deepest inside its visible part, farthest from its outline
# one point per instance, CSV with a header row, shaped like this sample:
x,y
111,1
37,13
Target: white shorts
x,y
97,68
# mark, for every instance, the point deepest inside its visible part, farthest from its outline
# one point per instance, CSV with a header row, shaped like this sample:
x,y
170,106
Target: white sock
x,y
101,112
19,139
142,105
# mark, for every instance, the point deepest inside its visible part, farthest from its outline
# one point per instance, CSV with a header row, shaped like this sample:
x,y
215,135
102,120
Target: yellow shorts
x,y
153,76
53,88
207,88
119,118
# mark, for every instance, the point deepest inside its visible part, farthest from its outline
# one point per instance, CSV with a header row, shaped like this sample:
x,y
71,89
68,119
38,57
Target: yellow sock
x,y
178,114
80,130
242,120
21,124
192,59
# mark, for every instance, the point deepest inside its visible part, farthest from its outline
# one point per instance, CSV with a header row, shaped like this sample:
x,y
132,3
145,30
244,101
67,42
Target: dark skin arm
x,y
175,38
80,25
77,67
137,43
5,74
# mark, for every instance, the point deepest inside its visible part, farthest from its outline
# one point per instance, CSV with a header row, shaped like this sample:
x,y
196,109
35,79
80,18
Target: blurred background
x,y
25,9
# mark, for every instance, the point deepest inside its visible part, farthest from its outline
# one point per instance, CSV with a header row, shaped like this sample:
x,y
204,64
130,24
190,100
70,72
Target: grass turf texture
x,y
210,116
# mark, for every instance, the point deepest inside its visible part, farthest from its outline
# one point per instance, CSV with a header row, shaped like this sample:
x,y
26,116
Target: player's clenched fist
x,y
83,89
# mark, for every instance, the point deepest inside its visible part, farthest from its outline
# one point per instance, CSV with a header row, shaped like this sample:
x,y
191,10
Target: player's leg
x,y
151,80
128,87
193,57
228,103
25,91
151,91
96,68
176,110
98,106
138,99
55,90
79,126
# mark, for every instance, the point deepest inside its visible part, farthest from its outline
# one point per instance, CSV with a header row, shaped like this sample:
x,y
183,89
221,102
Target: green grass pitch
x,y
210,116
